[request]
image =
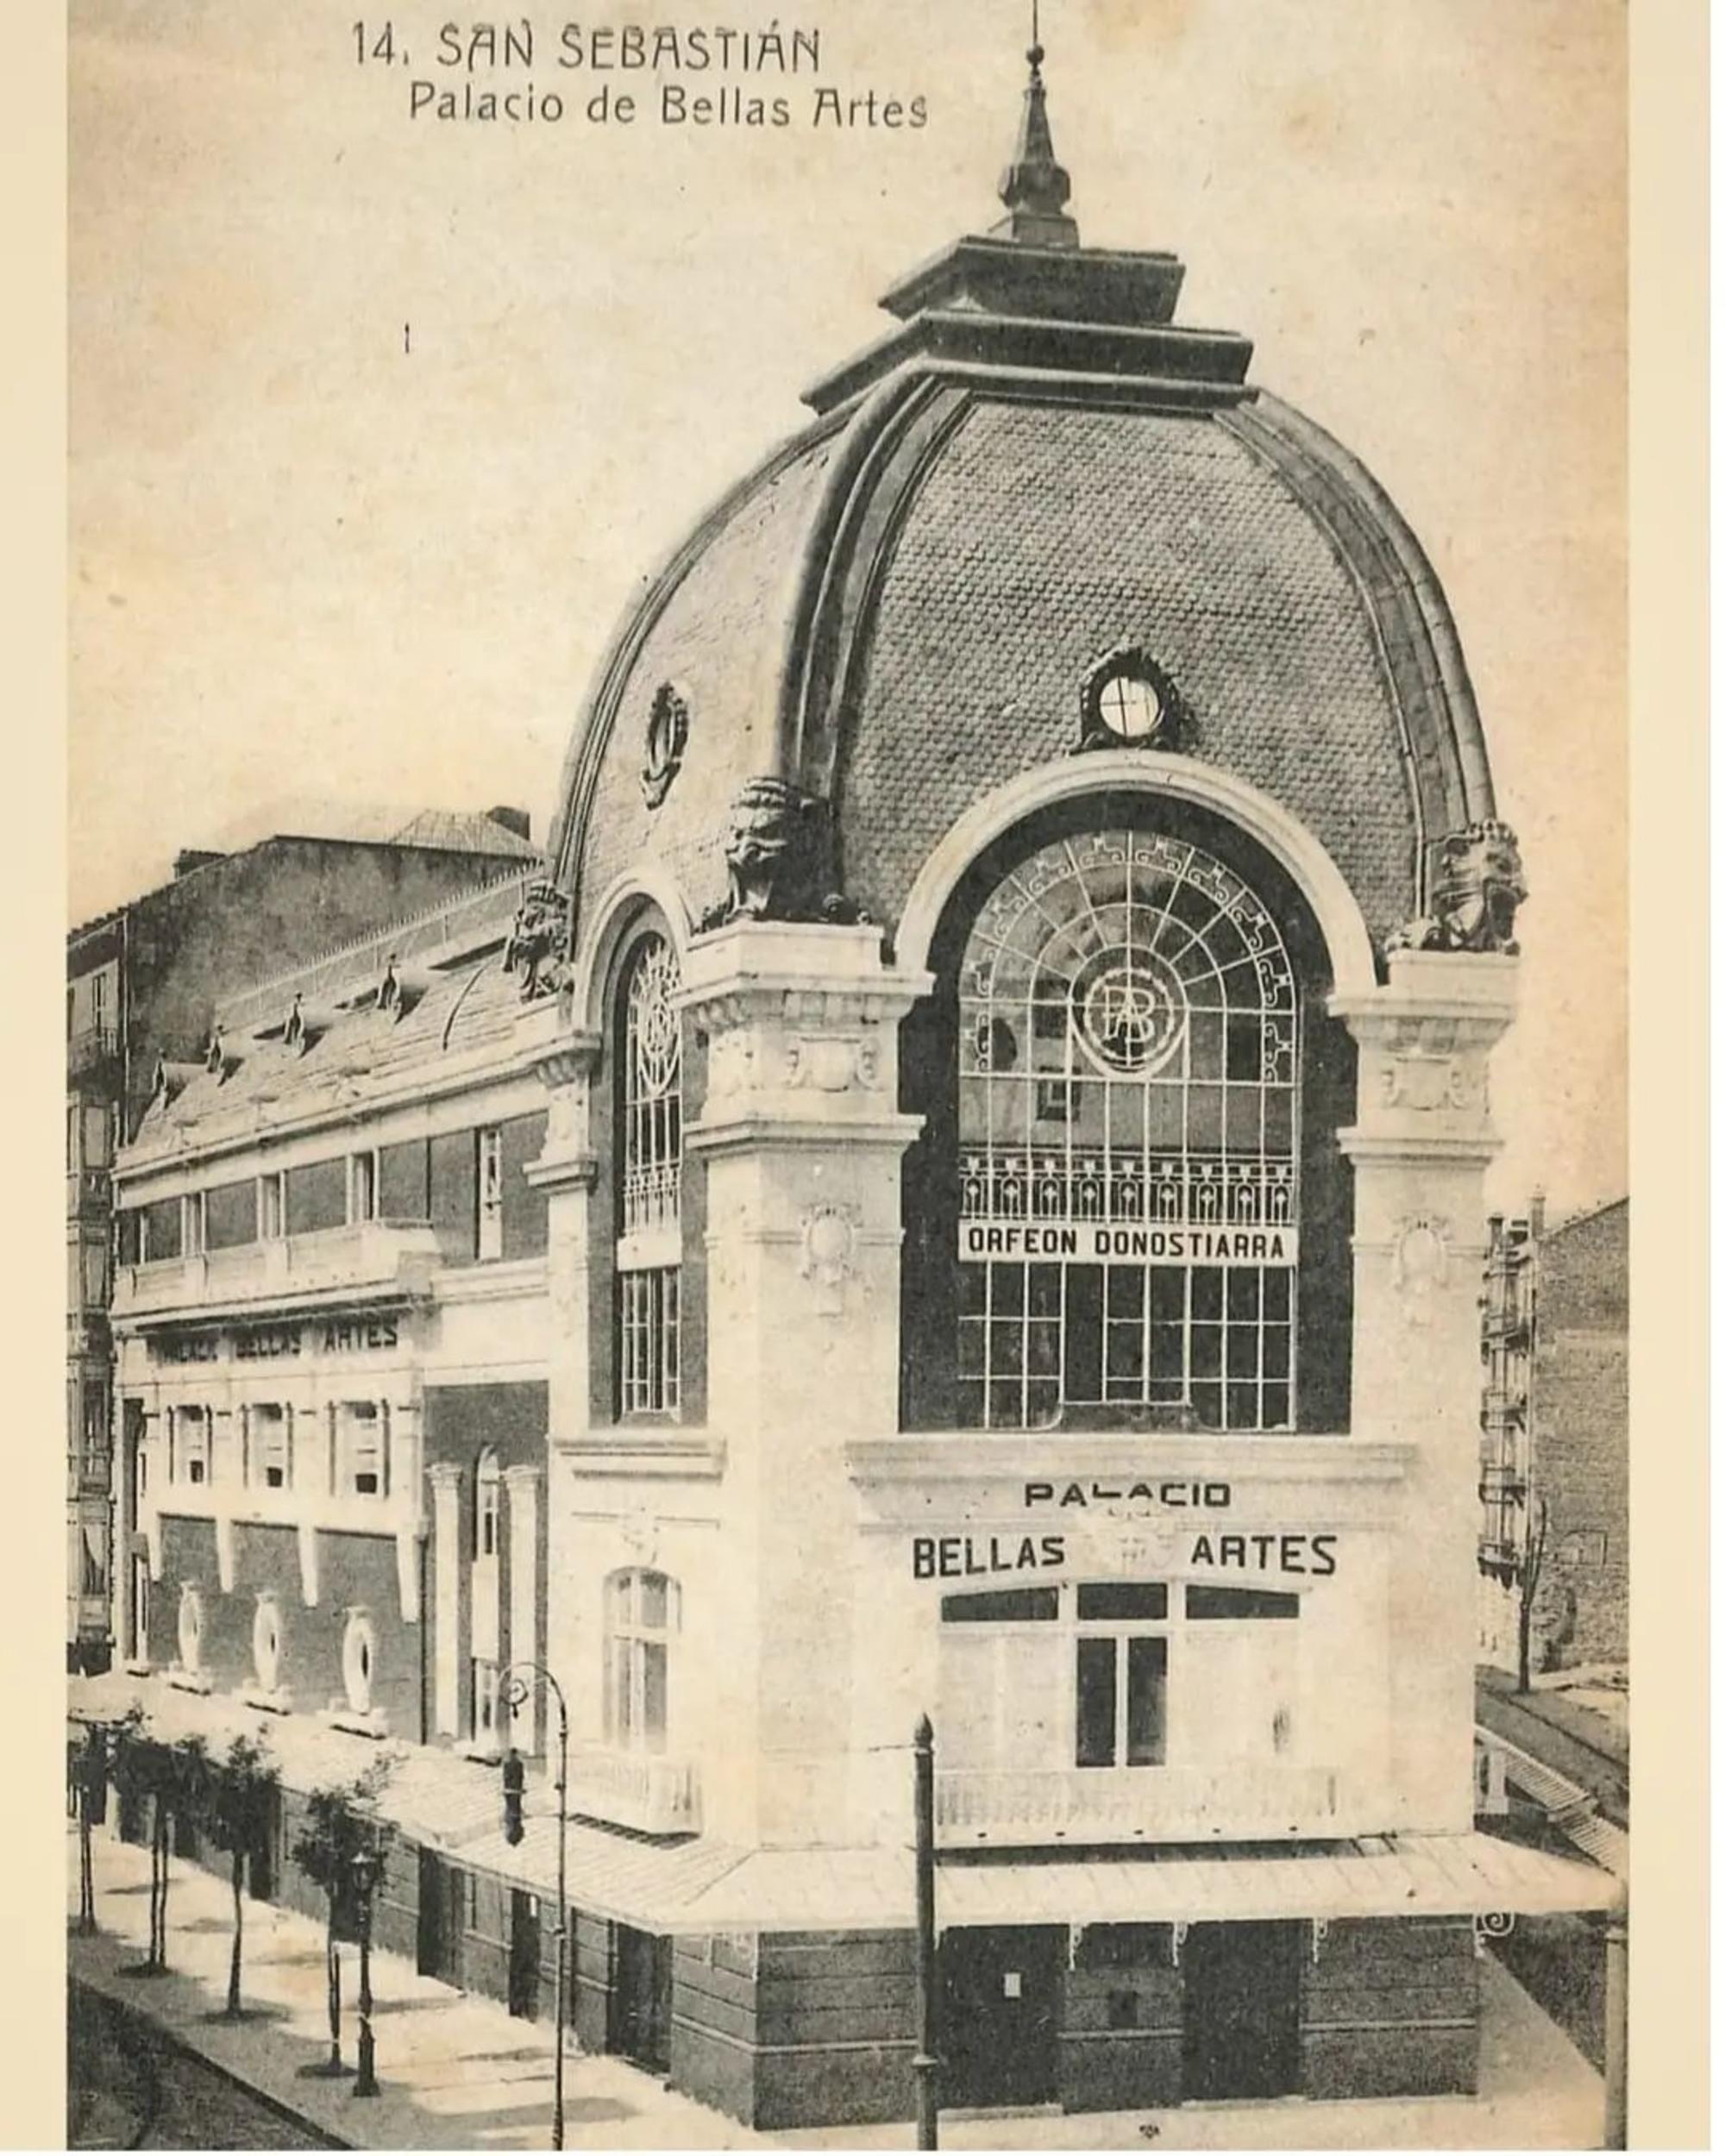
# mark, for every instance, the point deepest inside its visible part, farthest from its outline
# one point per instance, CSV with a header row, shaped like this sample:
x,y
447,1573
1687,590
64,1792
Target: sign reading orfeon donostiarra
x,y
1115,1243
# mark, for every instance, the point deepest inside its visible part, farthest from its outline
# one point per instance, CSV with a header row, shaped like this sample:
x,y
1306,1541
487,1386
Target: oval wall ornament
x,y
668,735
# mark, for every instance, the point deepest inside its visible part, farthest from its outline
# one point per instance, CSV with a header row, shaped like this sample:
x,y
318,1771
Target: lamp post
x,y
925,2064
365,1884
514,1688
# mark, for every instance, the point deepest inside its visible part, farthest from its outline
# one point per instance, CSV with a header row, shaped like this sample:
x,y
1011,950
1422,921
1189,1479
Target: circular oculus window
x,y
1129,705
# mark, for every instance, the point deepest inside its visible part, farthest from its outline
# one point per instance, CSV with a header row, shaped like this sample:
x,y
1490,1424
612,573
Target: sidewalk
x,y
457,2072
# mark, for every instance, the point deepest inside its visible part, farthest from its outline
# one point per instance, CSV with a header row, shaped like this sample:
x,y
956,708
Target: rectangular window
x,y
403,1193
73,1160
98,1137
127,1222
362,1186
491,1193
453,1169
1122,1700
271,1208
269,1457
317,1197
360,1426
96,1282
651,1340
230,1215
160,1227
189,1445
191,1224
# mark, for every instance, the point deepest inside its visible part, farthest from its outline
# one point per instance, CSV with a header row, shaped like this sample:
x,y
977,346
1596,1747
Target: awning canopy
x,y
700,1886
1432,1875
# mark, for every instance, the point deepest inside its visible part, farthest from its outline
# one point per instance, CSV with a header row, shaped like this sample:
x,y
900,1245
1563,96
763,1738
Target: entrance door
x,y
523,1954
440,1933
1000,2002
640,1999
1241,2016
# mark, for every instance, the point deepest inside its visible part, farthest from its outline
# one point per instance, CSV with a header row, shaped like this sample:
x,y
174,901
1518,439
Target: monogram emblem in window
x,y
667,734
1130,1010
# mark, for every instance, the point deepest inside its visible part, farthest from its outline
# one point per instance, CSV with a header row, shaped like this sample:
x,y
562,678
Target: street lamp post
x,y
516,1685
925,2064
365,1883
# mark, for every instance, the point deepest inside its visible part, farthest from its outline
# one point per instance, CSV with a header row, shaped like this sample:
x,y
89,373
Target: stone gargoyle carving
x,y
777,855
539,945
1475,894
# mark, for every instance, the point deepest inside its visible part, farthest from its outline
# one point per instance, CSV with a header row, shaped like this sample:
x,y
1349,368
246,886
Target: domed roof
x,y
1036,469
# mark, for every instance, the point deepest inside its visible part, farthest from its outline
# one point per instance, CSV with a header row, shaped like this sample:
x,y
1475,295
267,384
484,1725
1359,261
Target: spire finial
x,y
1035,186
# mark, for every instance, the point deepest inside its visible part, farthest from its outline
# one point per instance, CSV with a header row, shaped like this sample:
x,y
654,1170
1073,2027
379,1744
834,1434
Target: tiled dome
x,y
1036,467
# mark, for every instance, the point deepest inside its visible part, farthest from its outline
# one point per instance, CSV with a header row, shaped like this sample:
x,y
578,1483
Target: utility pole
x,y
925,2064
514,1688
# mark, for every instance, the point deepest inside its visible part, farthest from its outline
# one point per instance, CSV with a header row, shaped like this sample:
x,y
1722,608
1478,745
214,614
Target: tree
x,y
341,1823
90,1785
238,1809
1533,1565
142,1777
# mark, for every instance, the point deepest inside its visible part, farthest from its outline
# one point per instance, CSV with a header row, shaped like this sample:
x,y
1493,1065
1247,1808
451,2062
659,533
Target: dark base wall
x,y
817,2029
1392,2010
797,2028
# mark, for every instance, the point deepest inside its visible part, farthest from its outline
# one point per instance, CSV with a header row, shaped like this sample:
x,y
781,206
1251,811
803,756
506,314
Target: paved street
x,y
128,2087
458,2072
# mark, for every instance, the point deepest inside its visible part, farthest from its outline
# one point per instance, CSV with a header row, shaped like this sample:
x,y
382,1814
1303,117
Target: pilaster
x,y
445,1477
1419,1149
522,1485
801,1140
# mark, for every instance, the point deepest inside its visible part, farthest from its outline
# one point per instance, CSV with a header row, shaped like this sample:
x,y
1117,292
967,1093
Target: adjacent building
x,y
959,1194
1554,1444
142,984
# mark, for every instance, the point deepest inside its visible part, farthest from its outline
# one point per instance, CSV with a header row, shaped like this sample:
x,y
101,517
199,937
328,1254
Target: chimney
x,y
512,819
191,857
1536,1216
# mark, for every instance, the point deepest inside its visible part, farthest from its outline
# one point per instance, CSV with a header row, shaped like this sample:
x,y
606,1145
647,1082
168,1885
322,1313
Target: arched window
x,y
649,1182
488,1486
1128,1065
642,1613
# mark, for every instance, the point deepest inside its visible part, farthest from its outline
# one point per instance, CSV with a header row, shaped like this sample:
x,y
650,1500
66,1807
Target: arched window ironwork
x,y
650,1196
1129,1146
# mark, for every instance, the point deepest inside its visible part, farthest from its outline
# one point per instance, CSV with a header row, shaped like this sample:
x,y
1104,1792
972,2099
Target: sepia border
x,y
1669,2031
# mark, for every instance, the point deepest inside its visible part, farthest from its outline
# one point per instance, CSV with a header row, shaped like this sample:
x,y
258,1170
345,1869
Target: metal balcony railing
x,y
90,1046
1131,1804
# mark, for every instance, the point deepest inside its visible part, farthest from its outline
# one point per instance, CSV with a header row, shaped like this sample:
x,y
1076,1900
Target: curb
x,y
128,2009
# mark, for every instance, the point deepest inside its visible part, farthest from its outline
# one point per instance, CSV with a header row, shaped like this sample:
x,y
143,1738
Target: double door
x,y
1000,2015
1240,2016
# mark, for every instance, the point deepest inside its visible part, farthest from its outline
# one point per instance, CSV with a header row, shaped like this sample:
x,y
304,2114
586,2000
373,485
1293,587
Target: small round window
x,y
1129,707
